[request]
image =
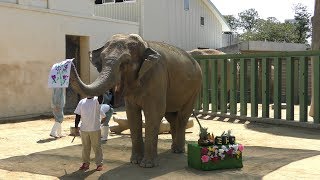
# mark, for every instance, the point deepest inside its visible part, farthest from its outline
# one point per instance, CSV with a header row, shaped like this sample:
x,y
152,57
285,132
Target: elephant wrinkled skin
x,y
156,78
197,52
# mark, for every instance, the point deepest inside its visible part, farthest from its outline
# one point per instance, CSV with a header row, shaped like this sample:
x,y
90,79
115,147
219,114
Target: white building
x,y
188,24
35,34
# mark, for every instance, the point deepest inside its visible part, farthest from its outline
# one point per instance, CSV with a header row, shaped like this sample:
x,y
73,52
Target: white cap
x,y
105,108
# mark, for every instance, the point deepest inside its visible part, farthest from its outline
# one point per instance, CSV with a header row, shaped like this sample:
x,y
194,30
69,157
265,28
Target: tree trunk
x,y
315,45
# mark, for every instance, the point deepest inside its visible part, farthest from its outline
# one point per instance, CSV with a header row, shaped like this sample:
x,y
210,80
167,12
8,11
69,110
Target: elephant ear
x,y
96,60
151,57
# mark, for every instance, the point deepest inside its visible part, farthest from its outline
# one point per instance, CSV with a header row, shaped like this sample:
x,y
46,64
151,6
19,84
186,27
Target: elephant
x,y
157,79
196,52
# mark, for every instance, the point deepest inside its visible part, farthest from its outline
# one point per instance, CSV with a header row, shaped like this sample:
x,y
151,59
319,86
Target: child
x,y
88,111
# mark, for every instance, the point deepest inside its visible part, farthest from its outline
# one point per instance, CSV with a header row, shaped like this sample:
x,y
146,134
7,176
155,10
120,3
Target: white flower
x,y
224,148
235,147
222,156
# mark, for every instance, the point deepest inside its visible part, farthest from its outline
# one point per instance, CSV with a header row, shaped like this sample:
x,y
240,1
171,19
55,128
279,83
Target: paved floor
x,y
271,152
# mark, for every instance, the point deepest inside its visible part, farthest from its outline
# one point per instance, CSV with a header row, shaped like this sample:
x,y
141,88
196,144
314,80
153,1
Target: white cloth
x,y
60,74
104,133
104,108
89,110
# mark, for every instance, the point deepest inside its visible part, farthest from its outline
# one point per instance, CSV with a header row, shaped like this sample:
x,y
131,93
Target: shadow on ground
x,y
283,130
64,163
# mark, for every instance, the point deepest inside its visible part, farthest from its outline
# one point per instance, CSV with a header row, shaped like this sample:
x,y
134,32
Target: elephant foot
x,y
177,149
147,163
136,159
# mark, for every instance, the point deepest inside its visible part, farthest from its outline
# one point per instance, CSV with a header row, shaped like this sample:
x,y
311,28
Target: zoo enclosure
x,y
221,90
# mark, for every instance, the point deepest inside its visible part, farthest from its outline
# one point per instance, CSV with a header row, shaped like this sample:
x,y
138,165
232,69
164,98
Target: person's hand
x,y
103,120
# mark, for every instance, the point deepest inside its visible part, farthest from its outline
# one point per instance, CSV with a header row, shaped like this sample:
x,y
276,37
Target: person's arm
x,y
103,120
77,121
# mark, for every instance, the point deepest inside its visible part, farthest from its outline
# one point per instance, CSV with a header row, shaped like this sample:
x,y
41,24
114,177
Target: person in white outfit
x,y
57,104
106,113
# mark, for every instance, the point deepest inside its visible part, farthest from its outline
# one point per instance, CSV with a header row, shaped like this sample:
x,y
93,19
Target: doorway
x,y
77,47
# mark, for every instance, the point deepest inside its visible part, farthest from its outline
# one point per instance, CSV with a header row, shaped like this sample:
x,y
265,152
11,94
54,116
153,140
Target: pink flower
x,y
241,147
204,151
205,158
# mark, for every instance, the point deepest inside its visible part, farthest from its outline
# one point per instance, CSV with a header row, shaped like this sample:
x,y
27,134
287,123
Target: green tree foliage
x,y
250,27
248,19
271,30
302,23
232,21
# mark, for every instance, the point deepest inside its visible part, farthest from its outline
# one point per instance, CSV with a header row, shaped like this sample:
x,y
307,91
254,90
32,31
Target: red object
x,y
99,168
84,167
215,159
204,151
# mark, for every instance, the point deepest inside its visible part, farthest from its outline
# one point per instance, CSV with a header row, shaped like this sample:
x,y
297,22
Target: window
x,y
108,1
98,1
186,5
202,21
116,1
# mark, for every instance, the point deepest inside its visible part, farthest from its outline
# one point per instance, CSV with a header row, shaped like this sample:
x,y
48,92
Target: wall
x,y
34,3
32,40
128,11
10,1
84,7
272,46
167,21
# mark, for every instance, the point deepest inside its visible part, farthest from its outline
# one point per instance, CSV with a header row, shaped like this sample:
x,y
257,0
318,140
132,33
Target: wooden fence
x,y
232,80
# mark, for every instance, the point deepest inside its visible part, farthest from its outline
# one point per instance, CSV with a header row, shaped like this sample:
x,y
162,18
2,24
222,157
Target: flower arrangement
x,y
214,153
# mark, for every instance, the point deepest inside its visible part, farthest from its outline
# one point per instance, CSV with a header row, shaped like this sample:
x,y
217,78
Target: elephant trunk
x,y
104,82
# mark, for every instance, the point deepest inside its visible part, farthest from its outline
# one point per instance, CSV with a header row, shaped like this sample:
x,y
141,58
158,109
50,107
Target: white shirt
x,y
89,110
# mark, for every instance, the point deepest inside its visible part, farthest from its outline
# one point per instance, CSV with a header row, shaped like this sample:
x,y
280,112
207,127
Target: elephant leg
x,y
153,118
172,118
135,125
178,125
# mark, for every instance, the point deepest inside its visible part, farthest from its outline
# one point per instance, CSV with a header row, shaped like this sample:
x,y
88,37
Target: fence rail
x,y
234,84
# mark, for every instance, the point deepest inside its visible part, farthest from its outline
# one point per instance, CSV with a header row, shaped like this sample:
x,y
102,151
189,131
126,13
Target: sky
x,y
280,9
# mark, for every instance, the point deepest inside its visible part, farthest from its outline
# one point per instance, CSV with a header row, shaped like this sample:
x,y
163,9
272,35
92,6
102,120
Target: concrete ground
x,y
271,152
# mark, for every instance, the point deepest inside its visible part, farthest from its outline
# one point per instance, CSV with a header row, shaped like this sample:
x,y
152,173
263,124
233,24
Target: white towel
x,y
60,74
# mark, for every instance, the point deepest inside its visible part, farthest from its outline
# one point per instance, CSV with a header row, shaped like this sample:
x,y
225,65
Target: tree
x,y
232,21
302,22
248,19
251,28
271,30
315,46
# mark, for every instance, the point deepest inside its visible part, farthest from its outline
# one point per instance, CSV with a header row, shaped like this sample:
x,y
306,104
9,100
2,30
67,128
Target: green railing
x,y
275,85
